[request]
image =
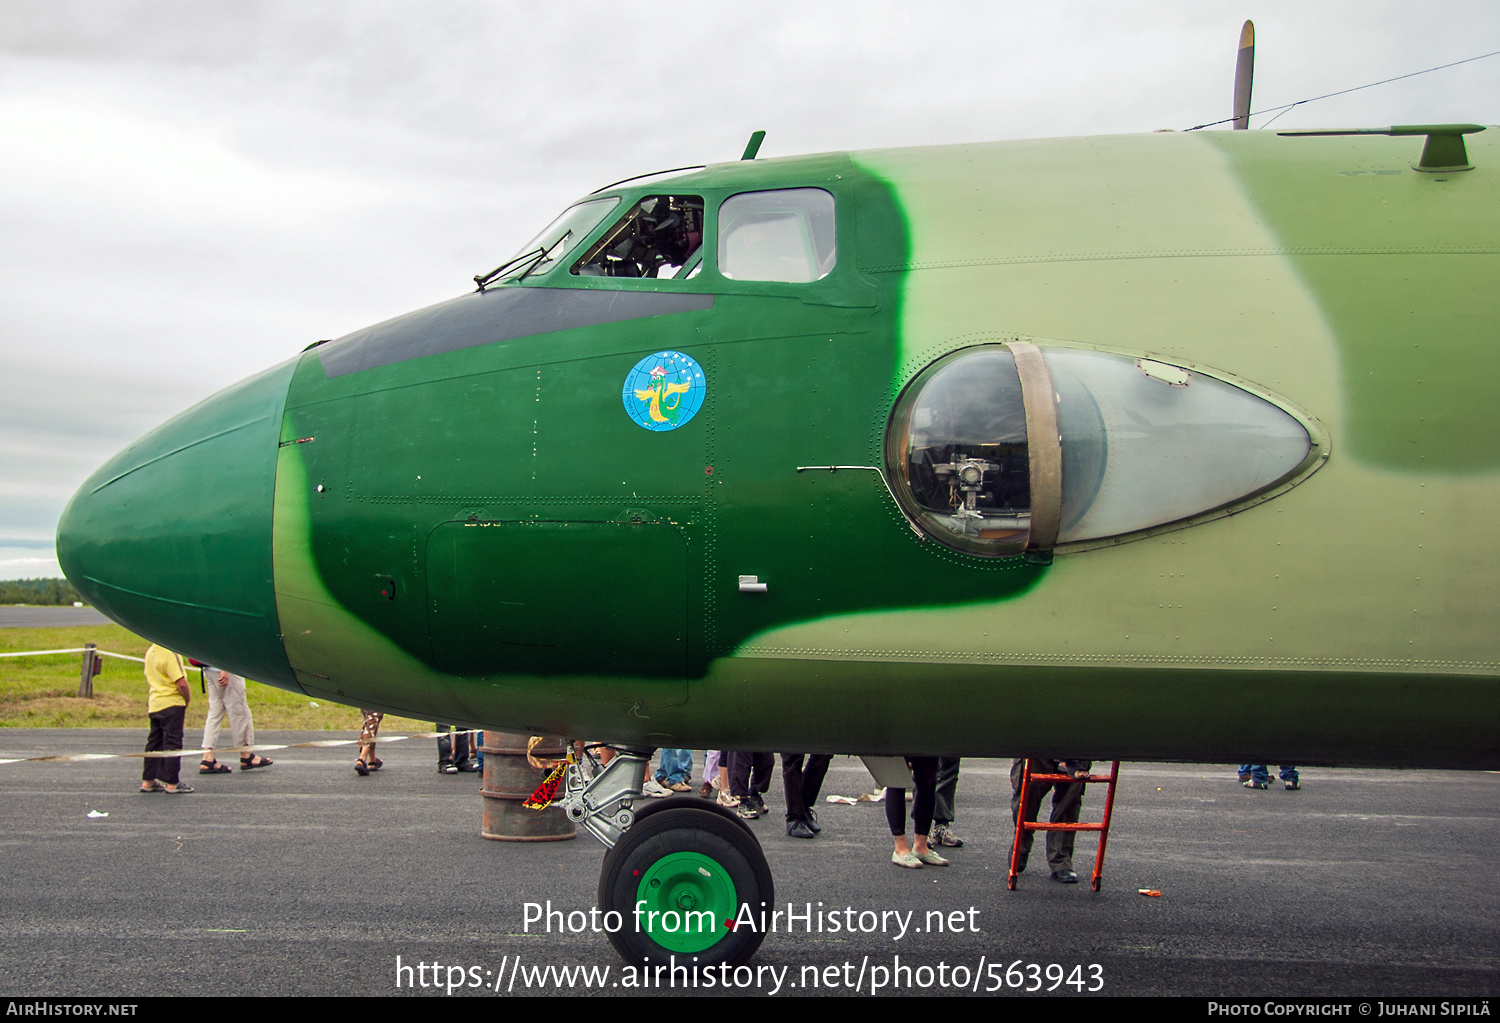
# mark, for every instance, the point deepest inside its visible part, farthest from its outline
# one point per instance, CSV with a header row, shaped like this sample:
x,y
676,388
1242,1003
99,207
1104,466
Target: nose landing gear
x,y
687,878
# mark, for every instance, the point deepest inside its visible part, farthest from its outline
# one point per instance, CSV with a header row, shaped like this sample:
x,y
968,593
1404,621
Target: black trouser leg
x,y
764,764
801,784
739,773
1067,806
812,778
453,748
791,785
166,733
924,774
1034,794
151,766
947,787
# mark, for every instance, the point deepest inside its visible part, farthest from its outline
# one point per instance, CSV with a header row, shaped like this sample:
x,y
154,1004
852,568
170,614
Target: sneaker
x,y
931,858
906,859
942,835
746,810
447,769
680,786
469,767
757,802
812,822
797,828
728,801
1064,877
1253,784
654,789
1293,786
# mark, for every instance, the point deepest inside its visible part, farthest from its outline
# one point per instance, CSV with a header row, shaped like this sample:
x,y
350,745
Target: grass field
x,y
42,692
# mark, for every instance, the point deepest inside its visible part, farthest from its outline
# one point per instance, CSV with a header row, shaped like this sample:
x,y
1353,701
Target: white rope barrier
x,y
318,743
73,650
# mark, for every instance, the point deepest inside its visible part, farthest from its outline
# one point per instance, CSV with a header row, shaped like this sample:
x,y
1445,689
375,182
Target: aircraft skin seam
x,y
179,603
522,499
758,651
178,450
1083,257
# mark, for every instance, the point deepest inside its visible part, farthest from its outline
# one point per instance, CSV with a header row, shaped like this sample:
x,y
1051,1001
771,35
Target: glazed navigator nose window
x,y
958,452
784,235
997,449
1146,443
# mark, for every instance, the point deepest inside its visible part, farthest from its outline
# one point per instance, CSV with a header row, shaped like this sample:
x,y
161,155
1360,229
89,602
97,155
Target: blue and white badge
x,y
664,391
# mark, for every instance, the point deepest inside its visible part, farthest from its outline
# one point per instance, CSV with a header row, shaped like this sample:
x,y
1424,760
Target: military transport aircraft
x,y
1181,446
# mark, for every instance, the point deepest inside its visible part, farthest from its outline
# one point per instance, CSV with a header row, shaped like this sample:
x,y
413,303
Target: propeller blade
x,y
1244,74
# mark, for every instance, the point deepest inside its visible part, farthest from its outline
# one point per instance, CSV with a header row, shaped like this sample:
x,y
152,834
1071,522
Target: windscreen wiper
x,y
546,255
486,279
537,256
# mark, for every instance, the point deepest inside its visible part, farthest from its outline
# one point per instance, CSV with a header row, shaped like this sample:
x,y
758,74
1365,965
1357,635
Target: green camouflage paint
x,y
1404,265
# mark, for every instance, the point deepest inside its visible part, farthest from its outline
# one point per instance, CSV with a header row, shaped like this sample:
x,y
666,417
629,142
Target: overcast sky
x,y
193,190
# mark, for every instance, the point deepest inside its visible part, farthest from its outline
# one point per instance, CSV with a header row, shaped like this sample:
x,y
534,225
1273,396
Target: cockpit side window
x,y
658,237
785,235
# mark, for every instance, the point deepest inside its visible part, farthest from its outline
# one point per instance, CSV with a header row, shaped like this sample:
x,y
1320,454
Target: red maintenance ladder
x,y
1023,826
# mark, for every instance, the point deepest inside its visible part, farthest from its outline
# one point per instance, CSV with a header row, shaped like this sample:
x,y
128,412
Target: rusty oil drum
x,y
509,780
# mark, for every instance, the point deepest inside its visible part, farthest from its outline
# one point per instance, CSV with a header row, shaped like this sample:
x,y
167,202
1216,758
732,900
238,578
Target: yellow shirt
x,y
163,669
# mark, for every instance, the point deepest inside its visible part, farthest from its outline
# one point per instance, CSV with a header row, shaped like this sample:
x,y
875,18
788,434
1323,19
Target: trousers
x,y
801,784
675,765
741,766
1067,804
166,733
453,748
227,700
947,789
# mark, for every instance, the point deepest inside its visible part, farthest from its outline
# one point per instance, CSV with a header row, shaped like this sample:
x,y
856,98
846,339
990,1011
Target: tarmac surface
x,y
305,879
14,616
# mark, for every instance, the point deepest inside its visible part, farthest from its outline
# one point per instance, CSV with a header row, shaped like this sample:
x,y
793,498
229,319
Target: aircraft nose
x,y
172,537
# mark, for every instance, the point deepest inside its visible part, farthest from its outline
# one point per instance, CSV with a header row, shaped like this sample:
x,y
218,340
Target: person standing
x,y
711,769
801,784
1067,804
167,697
917,852
749,776
453,750
943,802
674,769
368,733
1258,776
226,697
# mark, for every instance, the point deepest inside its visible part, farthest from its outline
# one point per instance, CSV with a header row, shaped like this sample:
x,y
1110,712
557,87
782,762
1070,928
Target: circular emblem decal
x,y
664,391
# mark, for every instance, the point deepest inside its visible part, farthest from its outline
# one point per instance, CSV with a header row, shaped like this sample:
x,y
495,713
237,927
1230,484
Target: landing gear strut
x,y
680,872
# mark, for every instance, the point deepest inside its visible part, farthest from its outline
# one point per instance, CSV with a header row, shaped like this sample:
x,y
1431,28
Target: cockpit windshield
x,y
658,238
547,249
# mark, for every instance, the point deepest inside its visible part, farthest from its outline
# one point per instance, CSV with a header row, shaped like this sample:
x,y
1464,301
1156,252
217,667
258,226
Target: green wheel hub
x,y
685,900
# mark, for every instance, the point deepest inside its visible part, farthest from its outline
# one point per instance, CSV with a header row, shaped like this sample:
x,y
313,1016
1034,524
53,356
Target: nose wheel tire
x,y
679,879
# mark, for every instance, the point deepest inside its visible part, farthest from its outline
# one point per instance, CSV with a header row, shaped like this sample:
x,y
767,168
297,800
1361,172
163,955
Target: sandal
x,y
376,763
250,763
212,767
155,786
361,768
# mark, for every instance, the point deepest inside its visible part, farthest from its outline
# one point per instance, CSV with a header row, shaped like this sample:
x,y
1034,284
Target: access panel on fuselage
x,y
527,597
